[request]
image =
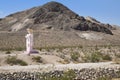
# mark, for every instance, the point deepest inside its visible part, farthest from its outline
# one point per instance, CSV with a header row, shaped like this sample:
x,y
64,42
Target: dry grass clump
x,y
116,60
96,57
8,52
75,56
12,60
37,59
104,78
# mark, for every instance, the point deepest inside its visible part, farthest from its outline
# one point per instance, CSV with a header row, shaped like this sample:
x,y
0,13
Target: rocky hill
x,y
55,25
52,15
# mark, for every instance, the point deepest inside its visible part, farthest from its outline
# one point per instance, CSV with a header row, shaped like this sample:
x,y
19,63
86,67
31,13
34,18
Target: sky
x,y
105,11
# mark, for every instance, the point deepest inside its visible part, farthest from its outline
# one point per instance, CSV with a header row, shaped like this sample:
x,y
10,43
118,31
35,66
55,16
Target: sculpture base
x,y
31,52
34,52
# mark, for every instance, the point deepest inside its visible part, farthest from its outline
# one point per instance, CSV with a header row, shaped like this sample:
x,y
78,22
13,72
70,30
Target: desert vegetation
x,y
96,57
78,54
8,52
12,60
75,56
85,53
37,59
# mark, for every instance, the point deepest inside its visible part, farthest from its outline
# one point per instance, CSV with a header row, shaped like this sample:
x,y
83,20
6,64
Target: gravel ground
x,y
50,67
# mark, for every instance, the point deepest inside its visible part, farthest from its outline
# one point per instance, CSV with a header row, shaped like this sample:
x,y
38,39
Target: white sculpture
x,y
29,41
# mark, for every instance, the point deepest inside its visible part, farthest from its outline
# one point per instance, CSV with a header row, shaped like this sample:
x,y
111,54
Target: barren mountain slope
x,y
55,25
48,16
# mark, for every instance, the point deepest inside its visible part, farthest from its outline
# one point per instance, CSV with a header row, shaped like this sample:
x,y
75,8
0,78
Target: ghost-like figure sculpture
x,y
29,41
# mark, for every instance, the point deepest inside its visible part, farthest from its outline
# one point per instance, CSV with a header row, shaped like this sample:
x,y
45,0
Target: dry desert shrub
x,y
37,59
12,60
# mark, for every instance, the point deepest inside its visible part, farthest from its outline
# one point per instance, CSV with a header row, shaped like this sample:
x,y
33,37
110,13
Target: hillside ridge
x,y
48,16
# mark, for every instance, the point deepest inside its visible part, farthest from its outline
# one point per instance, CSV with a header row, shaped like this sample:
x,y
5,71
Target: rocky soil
x,y
84,71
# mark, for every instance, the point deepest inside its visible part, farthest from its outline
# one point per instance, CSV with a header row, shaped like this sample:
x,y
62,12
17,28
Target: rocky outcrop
x,y
54,15
92,19
0,19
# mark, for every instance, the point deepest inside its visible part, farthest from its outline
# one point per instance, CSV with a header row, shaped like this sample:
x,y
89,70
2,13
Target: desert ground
x,y
65,41
70,55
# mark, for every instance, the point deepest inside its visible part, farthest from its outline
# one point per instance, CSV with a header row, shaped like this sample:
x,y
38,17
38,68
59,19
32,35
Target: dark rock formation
x,y
61,17
0,19
53,15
